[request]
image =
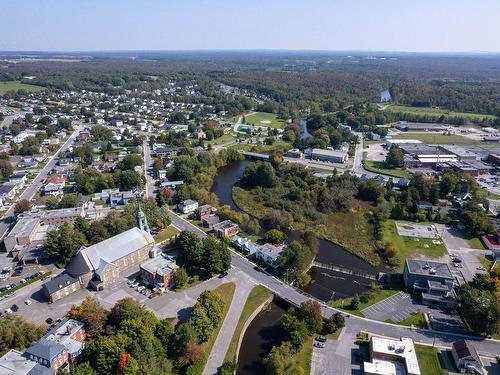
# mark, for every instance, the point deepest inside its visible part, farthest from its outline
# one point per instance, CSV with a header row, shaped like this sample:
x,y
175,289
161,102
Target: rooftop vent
x,y
432,271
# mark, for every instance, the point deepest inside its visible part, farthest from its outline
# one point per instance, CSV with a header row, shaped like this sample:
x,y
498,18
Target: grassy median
x,y
258,295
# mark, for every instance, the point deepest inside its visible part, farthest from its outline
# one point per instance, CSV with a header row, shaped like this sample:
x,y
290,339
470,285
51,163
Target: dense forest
x,y
290,81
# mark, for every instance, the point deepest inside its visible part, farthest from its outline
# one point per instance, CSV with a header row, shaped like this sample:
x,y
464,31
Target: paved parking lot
x,y
395,308
339,357
416,230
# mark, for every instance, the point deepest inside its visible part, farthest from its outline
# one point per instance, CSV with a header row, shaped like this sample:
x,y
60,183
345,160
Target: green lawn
x,y
226,137
258,295
335,335
380,167
409,246
304,357
476,243
374,298
438,138
166,234
416,320
268,120
226,291
16,85
428,360
435,112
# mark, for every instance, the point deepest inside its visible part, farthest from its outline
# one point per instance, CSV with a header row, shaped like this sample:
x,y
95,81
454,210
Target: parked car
x,y
8,311
49,320
223,274
321,338
318,344
141,288
14,307
28,302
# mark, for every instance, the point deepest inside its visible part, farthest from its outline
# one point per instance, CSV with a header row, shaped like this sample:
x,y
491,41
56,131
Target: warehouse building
x,y
332,156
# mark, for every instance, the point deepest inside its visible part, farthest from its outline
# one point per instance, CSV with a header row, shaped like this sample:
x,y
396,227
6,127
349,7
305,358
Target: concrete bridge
x,y
345,270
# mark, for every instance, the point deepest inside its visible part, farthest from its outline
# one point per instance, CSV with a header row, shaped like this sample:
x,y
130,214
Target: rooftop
x,y
337,153
97,256
429,268
398,349
60,281
160,265
62,332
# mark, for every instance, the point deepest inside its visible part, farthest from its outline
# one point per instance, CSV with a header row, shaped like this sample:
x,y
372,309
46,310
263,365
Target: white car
x,y
8,311
28,302
141,288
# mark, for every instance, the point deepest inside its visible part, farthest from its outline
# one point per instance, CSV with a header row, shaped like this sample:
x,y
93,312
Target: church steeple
x,y
142,222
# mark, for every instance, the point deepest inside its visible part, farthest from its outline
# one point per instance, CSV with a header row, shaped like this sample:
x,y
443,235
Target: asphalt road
x,y
9,219
487,348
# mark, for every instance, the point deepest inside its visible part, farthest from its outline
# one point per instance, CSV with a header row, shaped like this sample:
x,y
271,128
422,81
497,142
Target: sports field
x,y
435,112
438,138
16,85
268,120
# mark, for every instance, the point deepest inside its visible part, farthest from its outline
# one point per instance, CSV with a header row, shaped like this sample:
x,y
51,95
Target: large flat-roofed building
x,y
462,153
333,156
425,154
434,280
101,264
421,126
392,357
22,233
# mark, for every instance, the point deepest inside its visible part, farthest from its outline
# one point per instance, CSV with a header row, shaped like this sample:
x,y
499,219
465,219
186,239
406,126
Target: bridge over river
x,y
485,347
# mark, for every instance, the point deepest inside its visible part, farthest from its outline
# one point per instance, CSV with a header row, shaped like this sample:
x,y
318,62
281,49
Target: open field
x,y
476,243
409,246
380,167
435,112
428,360
438,138
226,137
226,291
16,85
417,320
257,297
268,120
304,357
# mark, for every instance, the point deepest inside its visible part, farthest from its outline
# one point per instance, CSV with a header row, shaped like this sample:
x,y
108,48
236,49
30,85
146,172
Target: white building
x,y
187,206
392,357
332,156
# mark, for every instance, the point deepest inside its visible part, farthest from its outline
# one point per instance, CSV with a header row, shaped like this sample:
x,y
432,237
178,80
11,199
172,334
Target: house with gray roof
x,y
60,286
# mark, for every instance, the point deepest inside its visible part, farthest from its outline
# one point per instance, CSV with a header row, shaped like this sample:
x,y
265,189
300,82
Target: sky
x,y
339,25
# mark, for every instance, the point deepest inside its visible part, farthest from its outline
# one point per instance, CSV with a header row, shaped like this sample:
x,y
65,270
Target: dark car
x,y
14,308
321,338
49,320
223,274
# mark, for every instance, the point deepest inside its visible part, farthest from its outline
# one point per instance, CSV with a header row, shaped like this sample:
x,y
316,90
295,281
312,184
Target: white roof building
x,y
392,357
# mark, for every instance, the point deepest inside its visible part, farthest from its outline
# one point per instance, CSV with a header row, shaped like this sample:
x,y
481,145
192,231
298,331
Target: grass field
x,y
166,233
380,167
416,320
375,297
226,291
435,112
258,295
476,243
428,360
16,85
226,137
304,357
409,246
268,120
438,138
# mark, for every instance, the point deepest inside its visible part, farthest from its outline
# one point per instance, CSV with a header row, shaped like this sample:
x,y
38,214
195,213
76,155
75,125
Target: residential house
x,y
205,210
244,245
269,253
54,186
466,357
226,228
187,206
27,163
210,221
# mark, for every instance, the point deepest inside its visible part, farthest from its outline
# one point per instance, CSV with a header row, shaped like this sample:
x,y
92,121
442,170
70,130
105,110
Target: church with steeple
x,y
101,264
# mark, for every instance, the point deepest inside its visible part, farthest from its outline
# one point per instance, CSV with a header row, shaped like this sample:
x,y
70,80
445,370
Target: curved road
x,y
487,348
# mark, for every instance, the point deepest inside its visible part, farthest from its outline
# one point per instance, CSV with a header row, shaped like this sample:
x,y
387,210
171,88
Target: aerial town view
x,y
268,188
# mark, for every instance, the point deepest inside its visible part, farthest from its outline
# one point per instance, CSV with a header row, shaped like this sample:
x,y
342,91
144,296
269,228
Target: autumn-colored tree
x,y
192,353
122,362
92,314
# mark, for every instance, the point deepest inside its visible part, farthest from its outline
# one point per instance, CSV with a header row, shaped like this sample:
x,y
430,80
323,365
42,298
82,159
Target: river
x,y
264,332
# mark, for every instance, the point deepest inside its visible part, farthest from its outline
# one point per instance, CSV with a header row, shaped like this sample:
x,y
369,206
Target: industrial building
x,y
332,156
